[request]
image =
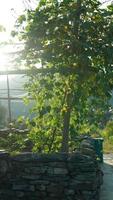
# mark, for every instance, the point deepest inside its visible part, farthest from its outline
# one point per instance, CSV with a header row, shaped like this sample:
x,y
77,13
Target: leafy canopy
x,y
72,41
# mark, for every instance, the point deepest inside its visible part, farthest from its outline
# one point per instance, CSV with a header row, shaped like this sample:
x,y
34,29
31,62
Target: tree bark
x,y
65,132
66,120
69,98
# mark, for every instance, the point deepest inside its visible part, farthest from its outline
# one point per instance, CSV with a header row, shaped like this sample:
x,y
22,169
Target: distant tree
x,y
2,28
73,42
3,112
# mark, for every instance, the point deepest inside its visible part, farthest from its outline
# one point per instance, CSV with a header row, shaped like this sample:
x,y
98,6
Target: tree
x,y
73,42
3,112
2,28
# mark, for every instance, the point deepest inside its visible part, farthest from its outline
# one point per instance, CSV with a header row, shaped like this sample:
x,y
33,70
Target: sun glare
x,y
9,10
5,58
3,62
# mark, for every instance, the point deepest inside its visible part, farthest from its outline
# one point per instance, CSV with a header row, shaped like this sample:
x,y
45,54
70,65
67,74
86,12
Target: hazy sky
x,y
7,14
9,10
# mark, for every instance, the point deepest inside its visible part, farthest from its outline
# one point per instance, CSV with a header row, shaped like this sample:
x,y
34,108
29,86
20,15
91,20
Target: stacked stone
x,y
57,176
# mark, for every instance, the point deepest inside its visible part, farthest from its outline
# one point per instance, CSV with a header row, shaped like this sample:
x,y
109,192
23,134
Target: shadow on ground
x,y
106,192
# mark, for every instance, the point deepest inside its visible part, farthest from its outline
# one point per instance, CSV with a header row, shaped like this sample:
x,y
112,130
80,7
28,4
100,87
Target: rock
x,y
3,167
31,176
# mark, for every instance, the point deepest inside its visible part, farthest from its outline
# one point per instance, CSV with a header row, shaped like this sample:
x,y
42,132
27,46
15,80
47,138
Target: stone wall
x,y
56,176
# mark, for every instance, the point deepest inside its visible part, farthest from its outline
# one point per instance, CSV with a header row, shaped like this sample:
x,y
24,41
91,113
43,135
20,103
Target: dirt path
x,y
107,188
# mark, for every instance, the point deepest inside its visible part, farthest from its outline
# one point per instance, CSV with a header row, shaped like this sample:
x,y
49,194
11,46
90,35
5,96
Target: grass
x,y
107,146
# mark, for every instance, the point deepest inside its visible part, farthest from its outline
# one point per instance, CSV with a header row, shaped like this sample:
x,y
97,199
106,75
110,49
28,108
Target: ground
x,y
107,187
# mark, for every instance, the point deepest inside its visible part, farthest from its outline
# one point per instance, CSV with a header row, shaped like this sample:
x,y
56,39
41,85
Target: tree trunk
x,y
66,121
65,133
69,97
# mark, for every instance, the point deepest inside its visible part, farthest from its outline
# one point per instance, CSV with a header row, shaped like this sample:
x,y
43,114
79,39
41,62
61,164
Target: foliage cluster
x,y
3,116
72,42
